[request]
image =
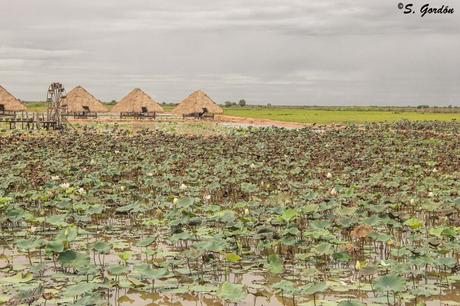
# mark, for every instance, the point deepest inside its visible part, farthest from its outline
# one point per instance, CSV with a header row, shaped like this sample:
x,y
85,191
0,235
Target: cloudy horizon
x,y
294,52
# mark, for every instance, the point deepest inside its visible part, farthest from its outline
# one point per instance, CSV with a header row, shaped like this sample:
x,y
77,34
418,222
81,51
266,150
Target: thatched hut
x,y
79,100
196,103
9,103
137,101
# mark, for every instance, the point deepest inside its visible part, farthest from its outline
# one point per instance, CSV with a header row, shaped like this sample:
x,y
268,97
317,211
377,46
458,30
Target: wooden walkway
x,y
26,121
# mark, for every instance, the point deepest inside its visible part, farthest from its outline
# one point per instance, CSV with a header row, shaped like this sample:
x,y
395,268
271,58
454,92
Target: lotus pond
x,y
360,215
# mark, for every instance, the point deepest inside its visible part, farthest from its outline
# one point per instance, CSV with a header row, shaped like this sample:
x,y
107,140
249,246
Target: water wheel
x,y
56,108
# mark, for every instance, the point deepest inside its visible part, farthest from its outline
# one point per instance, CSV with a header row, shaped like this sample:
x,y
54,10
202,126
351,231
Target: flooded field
x,y
253,216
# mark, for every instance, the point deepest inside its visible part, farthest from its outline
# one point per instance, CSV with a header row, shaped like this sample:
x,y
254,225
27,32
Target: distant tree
x,y
234,104
228,103
423,106
269,105
242,103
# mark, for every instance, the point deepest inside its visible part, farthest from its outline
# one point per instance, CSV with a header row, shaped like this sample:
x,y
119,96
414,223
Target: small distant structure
x,y
52,119
137,104
9,104
79,103
55,106
198,105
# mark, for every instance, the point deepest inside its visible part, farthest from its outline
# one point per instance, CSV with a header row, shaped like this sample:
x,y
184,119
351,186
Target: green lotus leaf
x,y
392,283
233,293
350,303
4,299
232,257
149,273
17,278
341,256
146,242
68,234
289,215
80,289
72,258
95,209
310,209
55,246
449,262
414,223
28,244
249,188
323,248
275,264
16,213
125,256
186,202
57,220
211,245
89,299
314,288
102,247
285,287
117,270
203,289
5,200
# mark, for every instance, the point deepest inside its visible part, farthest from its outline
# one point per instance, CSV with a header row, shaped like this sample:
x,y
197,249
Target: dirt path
x,y
221,119
257,122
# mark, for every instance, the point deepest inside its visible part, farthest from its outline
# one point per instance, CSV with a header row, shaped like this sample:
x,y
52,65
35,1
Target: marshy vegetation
x,y
352,216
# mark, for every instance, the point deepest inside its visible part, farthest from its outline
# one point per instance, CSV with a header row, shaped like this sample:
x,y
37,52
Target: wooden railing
x,y
138,115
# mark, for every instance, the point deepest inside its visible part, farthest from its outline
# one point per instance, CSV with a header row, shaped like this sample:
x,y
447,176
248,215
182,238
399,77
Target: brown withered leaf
x,y
362,231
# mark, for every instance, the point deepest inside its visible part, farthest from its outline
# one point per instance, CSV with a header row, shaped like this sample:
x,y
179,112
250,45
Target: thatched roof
x,y
195,104
135,101
79,97
9,102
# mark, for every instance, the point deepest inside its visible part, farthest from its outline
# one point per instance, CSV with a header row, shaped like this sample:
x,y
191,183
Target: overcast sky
x,y
292,52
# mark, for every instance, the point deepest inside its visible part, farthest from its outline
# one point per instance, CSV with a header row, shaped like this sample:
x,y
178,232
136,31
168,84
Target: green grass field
x,y
306,115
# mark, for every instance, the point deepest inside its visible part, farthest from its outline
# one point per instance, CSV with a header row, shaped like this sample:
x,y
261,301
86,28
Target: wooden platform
x,y
199,116
26,121
138,115
82,115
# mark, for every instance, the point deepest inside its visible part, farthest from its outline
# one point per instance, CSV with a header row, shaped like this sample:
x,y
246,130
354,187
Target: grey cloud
x,y
279,52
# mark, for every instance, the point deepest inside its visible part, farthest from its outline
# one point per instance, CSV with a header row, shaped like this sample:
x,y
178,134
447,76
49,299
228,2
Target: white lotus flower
x,y
81,191
122,188
246,211
334,192
435,170
175,200
183,187
329,175
150,174
55,178
207,197
65,185
252,166
430,194
412,201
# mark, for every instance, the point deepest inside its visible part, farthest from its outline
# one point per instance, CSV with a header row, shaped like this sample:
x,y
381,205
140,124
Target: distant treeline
x,y
243,104
420,108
